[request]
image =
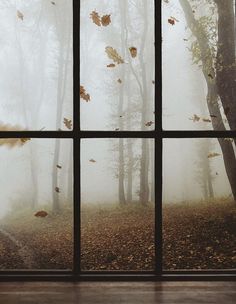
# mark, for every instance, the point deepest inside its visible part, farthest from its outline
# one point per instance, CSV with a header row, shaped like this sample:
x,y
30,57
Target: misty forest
x,y
117,92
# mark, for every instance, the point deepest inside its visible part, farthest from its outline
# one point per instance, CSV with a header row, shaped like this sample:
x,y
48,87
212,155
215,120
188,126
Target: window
x,y
117,134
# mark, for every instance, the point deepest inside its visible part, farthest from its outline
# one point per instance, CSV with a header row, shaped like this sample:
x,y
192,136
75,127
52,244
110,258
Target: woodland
x,y
117,92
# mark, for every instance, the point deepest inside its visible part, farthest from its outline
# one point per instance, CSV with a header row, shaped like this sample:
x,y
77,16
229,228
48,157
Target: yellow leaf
x,y
112,54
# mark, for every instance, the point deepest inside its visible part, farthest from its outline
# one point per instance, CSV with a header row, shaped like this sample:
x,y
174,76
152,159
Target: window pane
x,y
117,214
199,85
36,60
199,204
36,210
117,65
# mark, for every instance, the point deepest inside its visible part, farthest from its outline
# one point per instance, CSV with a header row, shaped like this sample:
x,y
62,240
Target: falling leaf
x,y
106,20
57,189
195,118
41,214
153,82
172,20
206,120
149,123
214,154
20,15
96,18
111,65
53,3
12,142
24,140
83,94
67,123
92,160
59,167
112,54
185,39
133,51
119,80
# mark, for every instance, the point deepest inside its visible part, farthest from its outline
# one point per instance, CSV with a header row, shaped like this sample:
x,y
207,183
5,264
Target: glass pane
x,y
199,204
36,212
117,65
199,65
117,216
36,63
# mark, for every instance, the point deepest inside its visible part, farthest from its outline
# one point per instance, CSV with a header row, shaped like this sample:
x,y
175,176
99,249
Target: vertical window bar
x,y
76,133
158,138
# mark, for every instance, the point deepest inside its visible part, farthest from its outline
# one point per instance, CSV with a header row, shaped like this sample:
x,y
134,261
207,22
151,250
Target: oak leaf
x,y
57,189
67,123
106,20
96,18
84,95
112,54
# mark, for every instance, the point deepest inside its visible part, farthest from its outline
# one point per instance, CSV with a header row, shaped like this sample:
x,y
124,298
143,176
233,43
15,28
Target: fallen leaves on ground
x,y
199,235
116,238
133,51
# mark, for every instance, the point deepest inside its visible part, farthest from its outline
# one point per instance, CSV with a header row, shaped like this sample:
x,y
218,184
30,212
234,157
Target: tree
x,y
214,95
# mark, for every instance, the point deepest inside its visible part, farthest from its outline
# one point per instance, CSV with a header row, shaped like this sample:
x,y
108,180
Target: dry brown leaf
x,y
106,20
67,123
133,51
84,95
59,167
112,54
41,213
11,142
92,160
57,189
195,118
20,15
111,65
149,123
213,154
96,18
119,80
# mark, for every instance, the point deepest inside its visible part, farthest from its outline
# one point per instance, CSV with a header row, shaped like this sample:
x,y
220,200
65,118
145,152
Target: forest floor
x,y
196,236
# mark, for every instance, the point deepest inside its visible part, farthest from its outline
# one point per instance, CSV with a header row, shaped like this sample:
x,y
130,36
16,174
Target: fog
x,y
36,90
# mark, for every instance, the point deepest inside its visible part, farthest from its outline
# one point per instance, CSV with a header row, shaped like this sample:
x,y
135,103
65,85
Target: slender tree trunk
x,y
144,184
70,177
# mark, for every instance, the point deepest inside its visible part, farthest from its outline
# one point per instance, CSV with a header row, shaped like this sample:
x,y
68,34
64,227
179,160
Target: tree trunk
x,y
130,171
212,95
144,186
226,69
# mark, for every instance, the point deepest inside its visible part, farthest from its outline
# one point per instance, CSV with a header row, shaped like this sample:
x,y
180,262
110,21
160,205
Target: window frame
x,y
158,135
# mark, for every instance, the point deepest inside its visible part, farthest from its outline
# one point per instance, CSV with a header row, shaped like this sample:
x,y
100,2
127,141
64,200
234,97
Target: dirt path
x,y
25,254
